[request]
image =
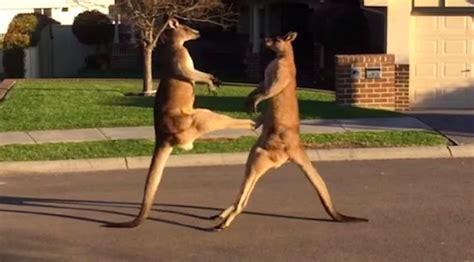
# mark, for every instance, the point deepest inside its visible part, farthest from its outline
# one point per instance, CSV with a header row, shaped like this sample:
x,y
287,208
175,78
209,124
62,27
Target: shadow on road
x,y
103,207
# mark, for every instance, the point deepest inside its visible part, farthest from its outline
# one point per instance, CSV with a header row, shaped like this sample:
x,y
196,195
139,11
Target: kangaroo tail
x,y
158,162
317,181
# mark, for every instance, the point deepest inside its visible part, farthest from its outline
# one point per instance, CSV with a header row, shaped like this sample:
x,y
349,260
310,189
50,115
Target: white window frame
x,y
441,9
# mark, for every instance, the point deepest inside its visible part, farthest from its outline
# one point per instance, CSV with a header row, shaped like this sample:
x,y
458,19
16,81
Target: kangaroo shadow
x,y
104,207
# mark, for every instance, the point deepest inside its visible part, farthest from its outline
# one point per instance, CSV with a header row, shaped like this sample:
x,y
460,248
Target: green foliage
x,y
93,28
98,61
64,104
23,31
13,62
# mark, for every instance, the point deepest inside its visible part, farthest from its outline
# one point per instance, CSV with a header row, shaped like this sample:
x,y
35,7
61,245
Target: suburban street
x,y
419,210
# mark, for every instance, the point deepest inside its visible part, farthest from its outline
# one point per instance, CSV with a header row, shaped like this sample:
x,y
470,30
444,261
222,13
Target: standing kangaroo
x,y
280,138
176,122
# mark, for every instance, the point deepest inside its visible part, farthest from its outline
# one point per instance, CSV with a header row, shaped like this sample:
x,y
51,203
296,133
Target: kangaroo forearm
x,y
193,75
198,76
267,93
202,77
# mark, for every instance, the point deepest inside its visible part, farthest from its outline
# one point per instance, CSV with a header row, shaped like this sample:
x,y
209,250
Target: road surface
x,y
418,211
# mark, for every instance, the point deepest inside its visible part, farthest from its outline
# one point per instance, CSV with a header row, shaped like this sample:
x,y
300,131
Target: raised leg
x,y
207,121
258,164
155,174
300,157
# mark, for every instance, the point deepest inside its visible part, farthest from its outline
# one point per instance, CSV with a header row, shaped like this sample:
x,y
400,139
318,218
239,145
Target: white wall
x,y
398,30
6,16
373,3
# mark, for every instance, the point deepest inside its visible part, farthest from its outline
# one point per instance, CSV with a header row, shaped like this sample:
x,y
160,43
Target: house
x,y
62,11
325,28
432,39
435,38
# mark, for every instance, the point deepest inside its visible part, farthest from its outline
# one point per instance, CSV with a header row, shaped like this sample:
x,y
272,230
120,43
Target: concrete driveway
x,y
458,125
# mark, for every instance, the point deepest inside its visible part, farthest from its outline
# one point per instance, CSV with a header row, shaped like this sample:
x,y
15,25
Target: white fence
x,y
32,65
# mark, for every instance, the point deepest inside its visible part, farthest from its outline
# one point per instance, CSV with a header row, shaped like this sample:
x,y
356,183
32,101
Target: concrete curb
x,y
462,150
219,159
5,86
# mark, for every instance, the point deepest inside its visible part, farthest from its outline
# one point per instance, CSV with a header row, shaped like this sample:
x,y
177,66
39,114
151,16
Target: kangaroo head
x,y
281,44
177,32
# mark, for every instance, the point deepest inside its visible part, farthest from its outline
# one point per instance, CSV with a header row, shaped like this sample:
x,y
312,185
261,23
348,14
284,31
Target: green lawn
x,y
122,148
86,103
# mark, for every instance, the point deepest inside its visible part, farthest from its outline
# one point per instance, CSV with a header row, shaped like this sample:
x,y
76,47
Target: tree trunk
x,y
147,71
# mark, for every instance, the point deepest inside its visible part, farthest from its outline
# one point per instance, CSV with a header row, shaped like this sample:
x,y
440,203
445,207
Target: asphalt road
x,y
418,211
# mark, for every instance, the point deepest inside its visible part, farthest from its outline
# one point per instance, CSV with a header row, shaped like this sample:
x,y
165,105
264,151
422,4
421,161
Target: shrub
x,y
93,28
23,31
13,62
98,61
1,41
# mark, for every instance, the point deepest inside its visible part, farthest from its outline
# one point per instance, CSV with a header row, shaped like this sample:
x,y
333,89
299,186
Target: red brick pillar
x,y
402,79
366,81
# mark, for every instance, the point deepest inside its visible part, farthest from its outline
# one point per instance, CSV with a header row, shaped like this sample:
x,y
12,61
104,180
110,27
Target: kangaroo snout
x,y
268,41
196,33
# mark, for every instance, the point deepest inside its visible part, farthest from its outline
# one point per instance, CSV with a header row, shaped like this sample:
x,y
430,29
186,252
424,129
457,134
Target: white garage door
x,y
442,62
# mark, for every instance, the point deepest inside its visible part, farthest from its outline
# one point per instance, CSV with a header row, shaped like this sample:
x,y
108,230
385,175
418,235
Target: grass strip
x,y
69,104
122,148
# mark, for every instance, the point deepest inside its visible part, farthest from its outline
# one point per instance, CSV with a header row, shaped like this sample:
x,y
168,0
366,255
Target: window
x,y
65,9
43,11
47,12
443,6
443,3
459,3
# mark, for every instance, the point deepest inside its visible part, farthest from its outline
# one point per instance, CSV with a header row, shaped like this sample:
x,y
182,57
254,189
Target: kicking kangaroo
x,y
280,139
176,122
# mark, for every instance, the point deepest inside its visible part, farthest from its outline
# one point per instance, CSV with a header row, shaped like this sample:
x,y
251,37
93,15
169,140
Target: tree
x,y
151,17
96,29
93,28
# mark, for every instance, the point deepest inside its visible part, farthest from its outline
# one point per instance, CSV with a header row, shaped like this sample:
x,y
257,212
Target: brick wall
x,y
390,91
402,78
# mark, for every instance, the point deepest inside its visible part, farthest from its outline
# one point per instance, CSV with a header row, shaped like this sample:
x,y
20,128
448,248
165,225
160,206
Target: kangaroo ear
x,y
290,36
173,23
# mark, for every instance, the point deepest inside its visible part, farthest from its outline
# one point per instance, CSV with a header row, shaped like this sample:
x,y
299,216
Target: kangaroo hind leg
x,y
208,121
155,174
258,163
300,157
